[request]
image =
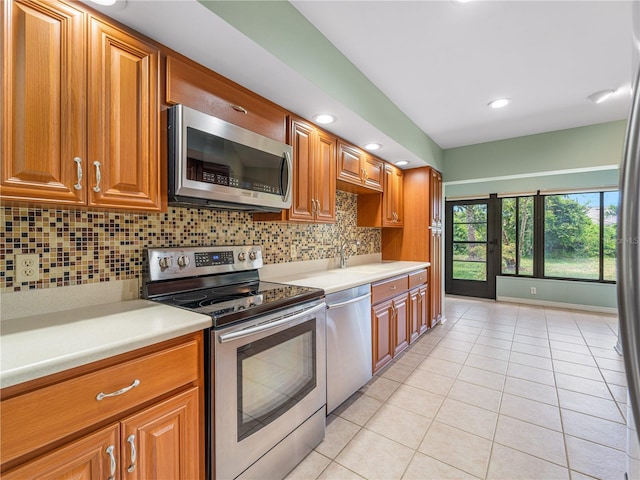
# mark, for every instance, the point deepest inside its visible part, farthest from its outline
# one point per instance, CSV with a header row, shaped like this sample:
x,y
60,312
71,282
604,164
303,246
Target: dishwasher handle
x,y
347,302
285,319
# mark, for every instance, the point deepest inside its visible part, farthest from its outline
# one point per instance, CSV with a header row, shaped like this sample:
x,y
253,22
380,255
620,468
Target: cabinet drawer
x,y
42,416
210,93
388,288
417,278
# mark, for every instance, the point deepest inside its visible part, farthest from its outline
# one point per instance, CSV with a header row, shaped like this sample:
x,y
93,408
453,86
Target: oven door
x,y
270,377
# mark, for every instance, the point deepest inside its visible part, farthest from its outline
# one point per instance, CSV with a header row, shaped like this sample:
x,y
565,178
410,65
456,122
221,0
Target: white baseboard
x,y
570,306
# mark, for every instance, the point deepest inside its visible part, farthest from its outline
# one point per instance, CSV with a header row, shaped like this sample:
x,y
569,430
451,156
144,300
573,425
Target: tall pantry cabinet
x,y
421,238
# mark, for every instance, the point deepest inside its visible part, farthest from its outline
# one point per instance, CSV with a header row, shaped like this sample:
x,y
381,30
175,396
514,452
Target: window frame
x,y
539,238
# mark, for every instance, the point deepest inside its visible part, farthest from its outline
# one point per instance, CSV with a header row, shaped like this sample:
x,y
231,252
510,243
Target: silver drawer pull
x,y
131,439
112,462
102,395
78,161
393,287
238,108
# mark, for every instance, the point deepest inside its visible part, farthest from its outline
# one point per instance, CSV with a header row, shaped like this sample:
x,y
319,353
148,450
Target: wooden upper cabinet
x,y
81,110
44,98
302,202
392,199
123,120
204,90
314,176
358,172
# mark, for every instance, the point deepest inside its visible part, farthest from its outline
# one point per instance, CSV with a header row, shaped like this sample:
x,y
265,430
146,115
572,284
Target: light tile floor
x,y
500,391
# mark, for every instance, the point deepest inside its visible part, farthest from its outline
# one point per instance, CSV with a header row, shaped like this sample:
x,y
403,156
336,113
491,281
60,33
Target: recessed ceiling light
x,y
402,163
601,96
105,3
324,118
499,102
372,146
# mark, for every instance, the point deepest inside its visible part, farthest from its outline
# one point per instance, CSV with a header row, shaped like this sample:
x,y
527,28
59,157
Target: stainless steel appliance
x,y
349,363
266,357
216,164
629,260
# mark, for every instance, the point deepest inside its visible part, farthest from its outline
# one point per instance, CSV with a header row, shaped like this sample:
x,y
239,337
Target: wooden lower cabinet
x,y
165,438
382,332
159,442
94,422
418,312
390,330
84,459
399,315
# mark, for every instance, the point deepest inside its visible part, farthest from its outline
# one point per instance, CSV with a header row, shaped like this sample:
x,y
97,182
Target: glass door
x,y
471,247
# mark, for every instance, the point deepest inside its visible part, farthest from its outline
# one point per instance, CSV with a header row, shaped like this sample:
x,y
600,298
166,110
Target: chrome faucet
x,y
344,256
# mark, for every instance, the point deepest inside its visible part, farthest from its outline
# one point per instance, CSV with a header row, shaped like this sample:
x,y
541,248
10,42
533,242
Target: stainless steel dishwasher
x,y
348,343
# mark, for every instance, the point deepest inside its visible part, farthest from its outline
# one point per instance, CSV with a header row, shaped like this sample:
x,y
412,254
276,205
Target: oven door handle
x,y
276,322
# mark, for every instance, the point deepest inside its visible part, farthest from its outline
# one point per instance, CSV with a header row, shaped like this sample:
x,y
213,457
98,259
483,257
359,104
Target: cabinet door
x,y
415,314
301,138
435,305
382,332
123,117
43,96
423,304
94,457
349,164
163,441
206,91
400,323
373,172
392,210
325,178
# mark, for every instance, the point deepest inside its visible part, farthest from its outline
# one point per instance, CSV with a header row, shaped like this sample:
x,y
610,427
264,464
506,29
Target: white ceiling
x,y
440,62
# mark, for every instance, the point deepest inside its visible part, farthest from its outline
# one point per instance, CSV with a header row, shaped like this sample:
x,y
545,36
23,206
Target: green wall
x,y
584,157
593,146
279,28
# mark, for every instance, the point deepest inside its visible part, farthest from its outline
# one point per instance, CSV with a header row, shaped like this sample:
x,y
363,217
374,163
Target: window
x,y
568,236
470,242
517,236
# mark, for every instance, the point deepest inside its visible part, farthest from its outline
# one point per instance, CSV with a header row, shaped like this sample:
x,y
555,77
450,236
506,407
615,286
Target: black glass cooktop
x,y
233,303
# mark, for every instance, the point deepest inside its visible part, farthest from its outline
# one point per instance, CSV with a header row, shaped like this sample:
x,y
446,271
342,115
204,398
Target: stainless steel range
x,y
266,362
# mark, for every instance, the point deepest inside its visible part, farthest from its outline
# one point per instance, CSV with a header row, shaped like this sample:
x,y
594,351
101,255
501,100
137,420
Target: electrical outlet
x,y
533,291
27,268
294,251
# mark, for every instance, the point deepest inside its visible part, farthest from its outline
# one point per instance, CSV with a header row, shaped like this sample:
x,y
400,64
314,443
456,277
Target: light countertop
x,y
35,346
336,279
32,347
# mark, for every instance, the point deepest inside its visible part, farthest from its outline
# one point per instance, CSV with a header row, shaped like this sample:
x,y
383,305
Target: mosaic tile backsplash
x,y
81,246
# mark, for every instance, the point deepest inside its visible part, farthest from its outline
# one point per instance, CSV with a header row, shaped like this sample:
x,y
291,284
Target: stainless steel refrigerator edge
x,y
629,259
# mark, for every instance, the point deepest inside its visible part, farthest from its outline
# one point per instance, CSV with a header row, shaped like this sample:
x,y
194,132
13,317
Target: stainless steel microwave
x,y
215,164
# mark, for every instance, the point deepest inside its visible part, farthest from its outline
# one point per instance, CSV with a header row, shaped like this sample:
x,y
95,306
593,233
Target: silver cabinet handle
x,y
98,177
112,461
78,161
238,108
131,439
393,287
102,395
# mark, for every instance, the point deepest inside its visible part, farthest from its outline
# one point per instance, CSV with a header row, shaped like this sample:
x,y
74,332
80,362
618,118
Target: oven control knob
x,y
165,262
183,261
252,256
242,257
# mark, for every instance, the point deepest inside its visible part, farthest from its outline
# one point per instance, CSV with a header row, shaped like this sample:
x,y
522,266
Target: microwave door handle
x,y
286,160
